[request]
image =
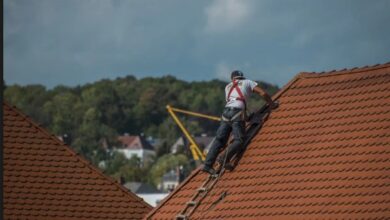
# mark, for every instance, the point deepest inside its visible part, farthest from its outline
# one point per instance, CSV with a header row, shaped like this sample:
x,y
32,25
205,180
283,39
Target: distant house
x,y
135,145
171,180
203,142
149,193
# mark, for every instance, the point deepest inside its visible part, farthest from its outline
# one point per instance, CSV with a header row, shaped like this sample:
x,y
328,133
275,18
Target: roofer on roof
x,y
233,118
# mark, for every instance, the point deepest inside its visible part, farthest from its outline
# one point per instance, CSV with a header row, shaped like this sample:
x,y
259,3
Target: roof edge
x,y
74,153
287,86
304,75
344,71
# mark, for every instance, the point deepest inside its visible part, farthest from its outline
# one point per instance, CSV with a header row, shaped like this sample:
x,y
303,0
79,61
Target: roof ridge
x,y
74,153
303,75
343,71
287,86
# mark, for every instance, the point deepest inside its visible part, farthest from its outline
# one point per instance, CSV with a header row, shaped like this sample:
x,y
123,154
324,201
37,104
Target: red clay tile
x,y
323,154
44,179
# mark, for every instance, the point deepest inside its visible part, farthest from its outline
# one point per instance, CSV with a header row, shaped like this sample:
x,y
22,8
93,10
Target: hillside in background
x,y
97,113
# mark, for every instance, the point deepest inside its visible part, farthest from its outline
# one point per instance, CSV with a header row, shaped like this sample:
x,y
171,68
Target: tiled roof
x,y
45,179
126,139
323,154
135,142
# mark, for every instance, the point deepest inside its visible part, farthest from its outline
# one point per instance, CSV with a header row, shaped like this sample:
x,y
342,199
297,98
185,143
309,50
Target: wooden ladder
x,y
199,195
256,123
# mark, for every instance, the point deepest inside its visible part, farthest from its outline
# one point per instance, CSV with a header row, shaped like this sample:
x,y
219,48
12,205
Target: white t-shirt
x,y
246,86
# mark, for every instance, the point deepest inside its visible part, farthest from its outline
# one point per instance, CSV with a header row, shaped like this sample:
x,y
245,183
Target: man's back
x,y
232,96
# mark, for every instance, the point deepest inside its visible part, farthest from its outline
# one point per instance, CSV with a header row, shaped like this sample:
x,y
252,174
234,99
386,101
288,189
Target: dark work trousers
x,y
237,126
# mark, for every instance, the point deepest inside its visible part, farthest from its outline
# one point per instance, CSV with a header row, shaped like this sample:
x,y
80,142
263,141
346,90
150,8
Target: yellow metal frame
x,y
196,152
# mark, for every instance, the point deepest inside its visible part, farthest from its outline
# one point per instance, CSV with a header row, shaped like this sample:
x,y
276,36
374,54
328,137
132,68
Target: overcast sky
x,y
73,42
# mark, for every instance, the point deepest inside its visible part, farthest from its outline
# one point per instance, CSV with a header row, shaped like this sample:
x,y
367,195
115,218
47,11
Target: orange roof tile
x,y
45,179
324,153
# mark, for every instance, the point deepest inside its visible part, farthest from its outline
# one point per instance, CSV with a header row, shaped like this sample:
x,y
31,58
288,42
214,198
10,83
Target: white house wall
x,y
141,153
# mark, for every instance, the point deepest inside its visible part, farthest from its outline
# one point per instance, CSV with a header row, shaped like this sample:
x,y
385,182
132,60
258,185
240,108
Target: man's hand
x,y
274,105
266,97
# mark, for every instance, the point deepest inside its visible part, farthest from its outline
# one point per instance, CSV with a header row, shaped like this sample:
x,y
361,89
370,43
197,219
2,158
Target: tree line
x,y
96,113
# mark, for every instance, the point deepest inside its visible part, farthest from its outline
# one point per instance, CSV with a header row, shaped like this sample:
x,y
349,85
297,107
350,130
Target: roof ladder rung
x,y
191,203
202,189
214,176
184,217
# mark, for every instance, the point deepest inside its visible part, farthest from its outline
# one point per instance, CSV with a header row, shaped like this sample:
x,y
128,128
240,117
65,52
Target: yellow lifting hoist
x,y
197,154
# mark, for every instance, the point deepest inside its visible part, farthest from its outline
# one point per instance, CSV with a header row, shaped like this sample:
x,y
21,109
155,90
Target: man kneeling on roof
x,y
233,118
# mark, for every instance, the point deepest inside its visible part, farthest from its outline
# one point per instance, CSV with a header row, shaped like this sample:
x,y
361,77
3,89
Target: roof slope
x,y
45,179
324,153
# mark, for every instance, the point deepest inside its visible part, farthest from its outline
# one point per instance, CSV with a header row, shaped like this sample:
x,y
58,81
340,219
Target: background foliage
x,y
98,112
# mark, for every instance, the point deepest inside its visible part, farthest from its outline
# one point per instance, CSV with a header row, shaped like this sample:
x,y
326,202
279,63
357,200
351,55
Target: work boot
x,y
209,170
229,166
275,105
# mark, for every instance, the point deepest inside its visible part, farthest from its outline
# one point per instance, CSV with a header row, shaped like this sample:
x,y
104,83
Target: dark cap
x,y
237,74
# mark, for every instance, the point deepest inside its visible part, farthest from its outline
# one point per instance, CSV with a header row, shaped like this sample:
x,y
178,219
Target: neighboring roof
x,y
45,179
134,142
323,154
141,188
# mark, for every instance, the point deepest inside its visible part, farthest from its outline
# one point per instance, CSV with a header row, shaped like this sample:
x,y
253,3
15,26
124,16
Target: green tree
x,y
164,164
65,110
129,169
30,99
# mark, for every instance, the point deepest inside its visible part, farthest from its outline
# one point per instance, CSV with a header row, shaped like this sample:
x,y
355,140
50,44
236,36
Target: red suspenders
x,y
235,86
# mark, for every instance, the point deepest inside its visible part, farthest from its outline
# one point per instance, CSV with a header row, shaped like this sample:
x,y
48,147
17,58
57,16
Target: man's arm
x,y
265,95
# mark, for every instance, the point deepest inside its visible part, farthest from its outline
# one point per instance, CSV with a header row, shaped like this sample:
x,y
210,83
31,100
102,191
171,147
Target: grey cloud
x,y
71,41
